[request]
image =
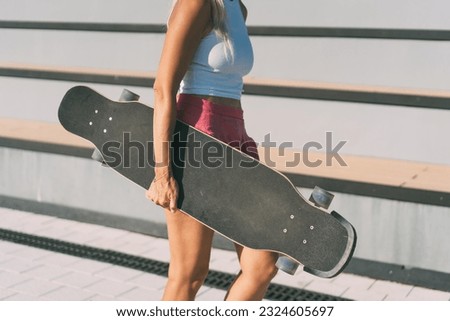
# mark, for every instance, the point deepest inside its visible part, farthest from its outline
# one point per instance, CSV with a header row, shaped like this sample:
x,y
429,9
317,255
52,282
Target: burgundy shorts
x,y
222,122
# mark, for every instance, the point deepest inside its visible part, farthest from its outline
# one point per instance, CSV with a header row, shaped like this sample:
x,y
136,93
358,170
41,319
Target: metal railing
x,y
268,31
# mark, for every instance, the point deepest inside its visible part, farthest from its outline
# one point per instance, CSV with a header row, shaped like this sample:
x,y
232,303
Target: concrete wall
x,y
72,182
392,132
389,231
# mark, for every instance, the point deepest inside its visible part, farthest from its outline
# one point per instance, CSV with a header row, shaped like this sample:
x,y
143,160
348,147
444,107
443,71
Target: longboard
x,y
223,188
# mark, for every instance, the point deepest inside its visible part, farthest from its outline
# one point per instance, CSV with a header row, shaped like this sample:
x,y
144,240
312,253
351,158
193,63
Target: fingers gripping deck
x,y
230,192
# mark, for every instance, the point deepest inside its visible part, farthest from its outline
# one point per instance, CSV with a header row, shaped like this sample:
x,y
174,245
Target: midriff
x,y
235,103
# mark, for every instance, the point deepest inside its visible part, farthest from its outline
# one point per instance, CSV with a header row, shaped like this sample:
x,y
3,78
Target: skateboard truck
x,y
320,198
126,95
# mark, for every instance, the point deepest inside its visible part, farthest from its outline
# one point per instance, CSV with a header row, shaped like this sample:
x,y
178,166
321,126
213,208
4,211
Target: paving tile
x,y
8,215
31,253
85,228
110,288
134,249
354,281
211,294
149,281
52,232
18,265
391,288
112,233
8,279
106,243
80,238
59,224
58,259
363,295
5,293
28,228
9,247
47,272
326,287
422,294
140,294
98,297
88,266
21,297
67,294
35,287
136,238
30,223
18,220
77,280
118,273
395,297
5,257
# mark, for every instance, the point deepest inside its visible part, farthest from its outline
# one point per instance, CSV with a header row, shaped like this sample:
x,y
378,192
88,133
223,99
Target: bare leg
x,y
190,251
257,270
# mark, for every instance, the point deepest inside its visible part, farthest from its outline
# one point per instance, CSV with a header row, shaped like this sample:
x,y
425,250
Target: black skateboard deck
x,y
232,193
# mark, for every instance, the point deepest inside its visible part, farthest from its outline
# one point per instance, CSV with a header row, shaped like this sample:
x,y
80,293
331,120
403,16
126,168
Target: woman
x,y
205,55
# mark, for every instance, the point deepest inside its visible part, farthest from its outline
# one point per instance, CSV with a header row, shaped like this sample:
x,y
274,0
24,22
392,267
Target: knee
x,y
262,273
268,273
190,277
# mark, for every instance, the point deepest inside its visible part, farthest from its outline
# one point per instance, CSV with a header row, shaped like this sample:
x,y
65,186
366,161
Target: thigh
x,y
190,243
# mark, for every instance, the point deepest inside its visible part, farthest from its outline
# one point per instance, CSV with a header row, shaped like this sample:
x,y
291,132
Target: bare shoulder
x,y
194,9
244,9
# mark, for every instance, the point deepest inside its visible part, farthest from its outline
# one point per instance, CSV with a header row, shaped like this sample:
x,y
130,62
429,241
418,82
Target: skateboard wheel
x,y
128,96
287,265
321,198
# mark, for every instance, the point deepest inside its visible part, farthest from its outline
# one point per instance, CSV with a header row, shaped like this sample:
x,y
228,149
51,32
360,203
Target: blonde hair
x,y
219,24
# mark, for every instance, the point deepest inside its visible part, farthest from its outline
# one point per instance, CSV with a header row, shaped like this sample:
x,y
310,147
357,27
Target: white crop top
x,y
214,73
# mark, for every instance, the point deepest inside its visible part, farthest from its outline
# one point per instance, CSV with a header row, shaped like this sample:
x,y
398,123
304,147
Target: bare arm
x,y
187,24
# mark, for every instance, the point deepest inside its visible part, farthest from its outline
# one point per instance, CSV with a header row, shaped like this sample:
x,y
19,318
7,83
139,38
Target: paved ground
x,y
28,273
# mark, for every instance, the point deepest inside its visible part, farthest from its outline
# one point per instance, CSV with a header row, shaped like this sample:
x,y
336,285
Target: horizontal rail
x,y
88,75
268,31
252,86
337,32
396,193
84,26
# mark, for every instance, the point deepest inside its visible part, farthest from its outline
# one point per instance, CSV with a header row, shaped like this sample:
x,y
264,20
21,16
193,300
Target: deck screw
x,y
305,241
311,227
104,130
90,123
285,230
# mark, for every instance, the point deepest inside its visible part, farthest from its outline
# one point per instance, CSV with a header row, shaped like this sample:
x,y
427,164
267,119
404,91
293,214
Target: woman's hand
x,y
163,191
